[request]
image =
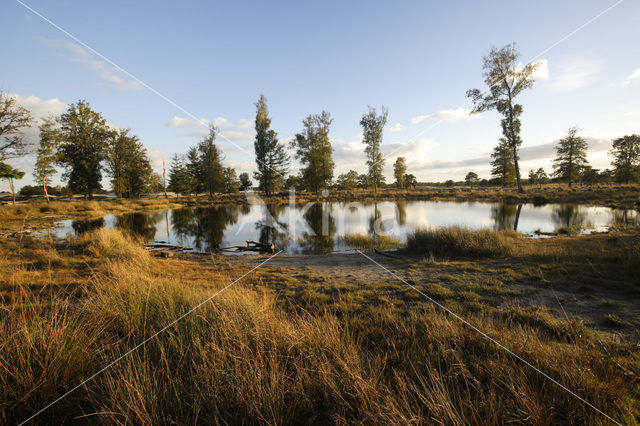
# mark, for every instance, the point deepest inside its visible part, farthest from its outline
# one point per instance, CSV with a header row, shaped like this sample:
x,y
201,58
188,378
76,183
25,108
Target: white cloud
x,y
542,72
634,114
234,135
635,74
40,108
76,53
415,151
398,127
178,122
449,115
244,123
576,75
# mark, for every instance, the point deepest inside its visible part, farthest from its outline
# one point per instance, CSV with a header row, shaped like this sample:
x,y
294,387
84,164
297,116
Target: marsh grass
x,y
350,356
370,242
460,241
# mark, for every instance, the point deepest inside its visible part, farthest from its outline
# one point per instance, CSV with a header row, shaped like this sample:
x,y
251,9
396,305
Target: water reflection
x,y
203,228
323,226
568,216
86,225
140,224
319,227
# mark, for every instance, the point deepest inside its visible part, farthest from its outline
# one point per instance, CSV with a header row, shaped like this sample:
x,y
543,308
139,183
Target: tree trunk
x,y
44,188
515,225
13,191
515,163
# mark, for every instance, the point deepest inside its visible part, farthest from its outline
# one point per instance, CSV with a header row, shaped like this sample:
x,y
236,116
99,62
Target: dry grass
x,y
248,357
460,241
370,242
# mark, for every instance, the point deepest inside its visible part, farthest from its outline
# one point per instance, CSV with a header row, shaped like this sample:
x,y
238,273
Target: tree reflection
x,y
203,228
624,217
401,212
272,231
568,216
82,226
506,216
322,240
139,224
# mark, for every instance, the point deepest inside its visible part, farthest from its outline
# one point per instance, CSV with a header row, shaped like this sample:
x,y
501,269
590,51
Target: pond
x,y
321,227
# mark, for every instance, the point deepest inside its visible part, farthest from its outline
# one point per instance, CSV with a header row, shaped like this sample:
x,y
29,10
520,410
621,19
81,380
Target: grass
x,y
370,242
460,241
286,345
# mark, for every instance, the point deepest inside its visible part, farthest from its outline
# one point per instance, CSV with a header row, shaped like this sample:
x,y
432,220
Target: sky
x,y
166,69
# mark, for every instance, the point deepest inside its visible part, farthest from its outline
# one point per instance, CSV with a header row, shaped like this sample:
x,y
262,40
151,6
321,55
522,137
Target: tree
x,y
9,173
13,119
83,142
181,181
399,172
372,132
314,150
590,176
502,167
571,156
231,182
128,164
538,177
205,164
362,181
410,181
245,182
271,157
471,179
47,154
347,180
156,183
626,158
506,79
294,181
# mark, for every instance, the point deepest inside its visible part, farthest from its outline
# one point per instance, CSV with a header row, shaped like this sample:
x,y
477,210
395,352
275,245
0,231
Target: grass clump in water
x,y
460,241
369,242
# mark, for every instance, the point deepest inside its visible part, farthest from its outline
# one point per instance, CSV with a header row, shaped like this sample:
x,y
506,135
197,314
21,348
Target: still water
x,y
320,227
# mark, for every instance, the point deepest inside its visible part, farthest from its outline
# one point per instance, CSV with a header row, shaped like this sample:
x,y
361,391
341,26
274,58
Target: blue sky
x,y
213,59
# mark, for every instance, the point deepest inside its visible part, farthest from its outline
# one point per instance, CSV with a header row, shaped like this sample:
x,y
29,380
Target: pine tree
x,y
205,164
372,132
571,156
313,149
181,180
271,157
502,165
9,173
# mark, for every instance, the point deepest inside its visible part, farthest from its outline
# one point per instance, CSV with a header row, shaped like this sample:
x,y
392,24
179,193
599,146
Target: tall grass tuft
x,y
460,241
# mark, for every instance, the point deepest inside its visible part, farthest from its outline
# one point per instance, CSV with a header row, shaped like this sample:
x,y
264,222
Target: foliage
x,y
538,177
47,153
245,182
83,143
502,167
30,190
13,119
626,158
372,133
410,181
9,173
205,164
571,157
128,165
181,180
505,79
294,181
347,180
472,179
314,150
231,182
272,159
399,172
